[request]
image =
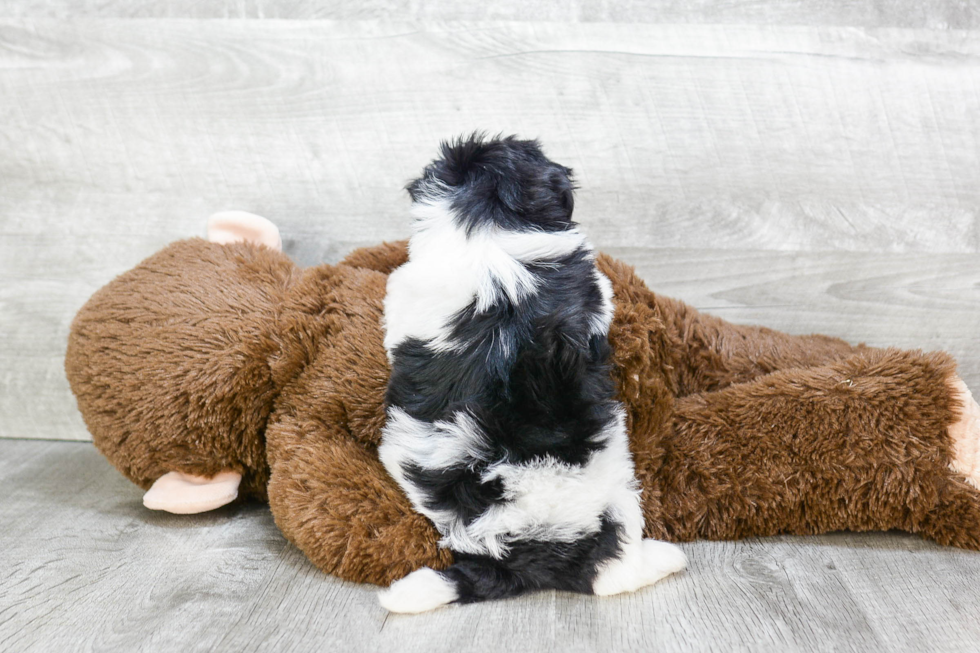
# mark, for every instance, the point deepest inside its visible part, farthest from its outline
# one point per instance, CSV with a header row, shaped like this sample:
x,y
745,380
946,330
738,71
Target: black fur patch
x,y
457,488
502,181
534,565
534,378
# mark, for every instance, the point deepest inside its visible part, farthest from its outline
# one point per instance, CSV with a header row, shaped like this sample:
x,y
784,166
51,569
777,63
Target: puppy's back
x,y
503,428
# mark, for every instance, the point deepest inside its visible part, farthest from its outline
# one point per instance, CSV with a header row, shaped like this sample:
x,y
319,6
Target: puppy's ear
x,y
563,185
458,162
568,201
459,157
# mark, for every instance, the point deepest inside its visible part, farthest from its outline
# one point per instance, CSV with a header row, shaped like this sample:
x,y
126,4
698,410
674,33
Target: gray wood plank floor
x,y
83,566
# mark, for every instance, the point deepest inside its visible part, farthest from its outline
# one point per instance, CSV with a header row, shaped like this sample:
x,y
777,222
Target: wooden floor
x,y
83,566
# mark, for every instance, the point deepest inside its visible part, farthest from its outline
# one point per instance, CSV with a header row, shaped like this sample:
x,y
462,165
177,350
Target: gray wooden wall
x,y
812,166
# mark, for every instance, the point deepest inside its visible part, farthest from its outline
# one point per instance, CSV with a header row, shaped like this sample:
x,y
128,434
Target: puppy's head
x,y
503,182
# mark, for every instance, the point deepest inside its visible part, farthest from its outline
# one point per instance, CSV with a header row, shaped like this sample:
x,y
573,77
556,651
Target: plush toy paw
x,y
186,494
965,434
642,564
240,226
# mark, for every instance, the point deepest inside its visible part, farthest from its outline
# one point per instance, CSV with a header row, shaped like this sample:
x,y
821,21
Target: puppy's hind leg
x,y
642,563
468,581
422,590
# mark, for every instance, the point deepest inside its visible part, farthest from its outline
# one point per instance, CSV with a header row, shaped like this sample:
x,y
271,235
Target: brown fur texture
x,y
208,357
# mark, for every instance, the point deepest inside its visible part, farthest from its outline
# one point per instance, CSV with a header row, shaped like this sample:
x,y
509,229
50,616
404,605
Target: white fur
x,y
555,501
642,563
528,247
448,269
602,320
420,591
430,446
545,499
437,445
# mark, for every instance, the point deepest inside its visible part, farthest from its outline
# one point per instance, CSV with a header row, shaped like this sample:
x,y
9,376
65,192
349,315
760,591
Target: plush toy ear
x,y
240,226
187,494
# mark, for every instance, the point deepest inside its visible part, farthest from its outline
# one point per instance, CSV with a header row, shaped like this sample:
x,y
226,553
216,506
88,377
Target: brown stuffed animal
x,y
216,369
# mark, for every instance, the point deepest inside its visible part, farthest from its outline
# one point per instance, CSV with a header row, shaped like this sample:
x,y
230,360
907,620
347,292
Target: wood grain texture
x,y
920,301
84,567
788,138
935,14
724,160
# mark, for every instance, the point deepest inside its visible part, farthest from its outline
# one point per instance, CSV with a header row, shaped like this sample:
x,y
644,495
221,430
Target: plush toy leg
x,y
186,494
717,353
237,226
696,352
333,499
862,444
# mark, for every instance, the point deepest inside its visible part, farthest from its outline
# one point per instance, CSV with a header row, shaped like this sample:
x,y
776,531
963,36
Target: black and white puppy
x,y
502,424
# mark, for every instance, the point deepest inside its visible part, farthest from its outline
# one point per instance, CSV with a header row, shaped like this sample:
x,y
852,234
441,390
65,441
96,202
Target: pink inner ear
x,y
186,494
240,226
965,435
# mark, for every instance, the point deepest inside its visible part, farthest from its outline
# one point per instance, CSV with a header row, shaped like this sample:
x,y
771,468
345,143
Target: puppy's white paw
x,y
662,559
643,563
420,591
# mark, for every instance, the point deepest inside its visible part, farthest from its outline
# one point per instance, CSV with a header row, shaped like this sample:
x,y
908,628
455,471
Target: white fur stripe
x,y
449,269
436,445
603,319
529,247
545,499
554,501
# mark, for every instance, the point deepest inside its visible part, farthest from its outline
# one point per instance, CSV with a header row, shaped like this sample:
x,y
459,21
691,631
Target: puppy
x,y
502,423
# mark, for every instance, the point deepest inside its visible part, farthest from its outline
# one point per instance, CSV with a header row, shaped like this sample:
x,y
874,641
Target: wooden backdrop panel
x,y
937,14
119,136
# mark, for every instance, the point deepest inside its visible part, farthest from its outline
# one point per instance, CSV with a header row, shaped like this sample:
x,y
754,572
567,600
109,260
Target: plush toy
x,y
220,369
